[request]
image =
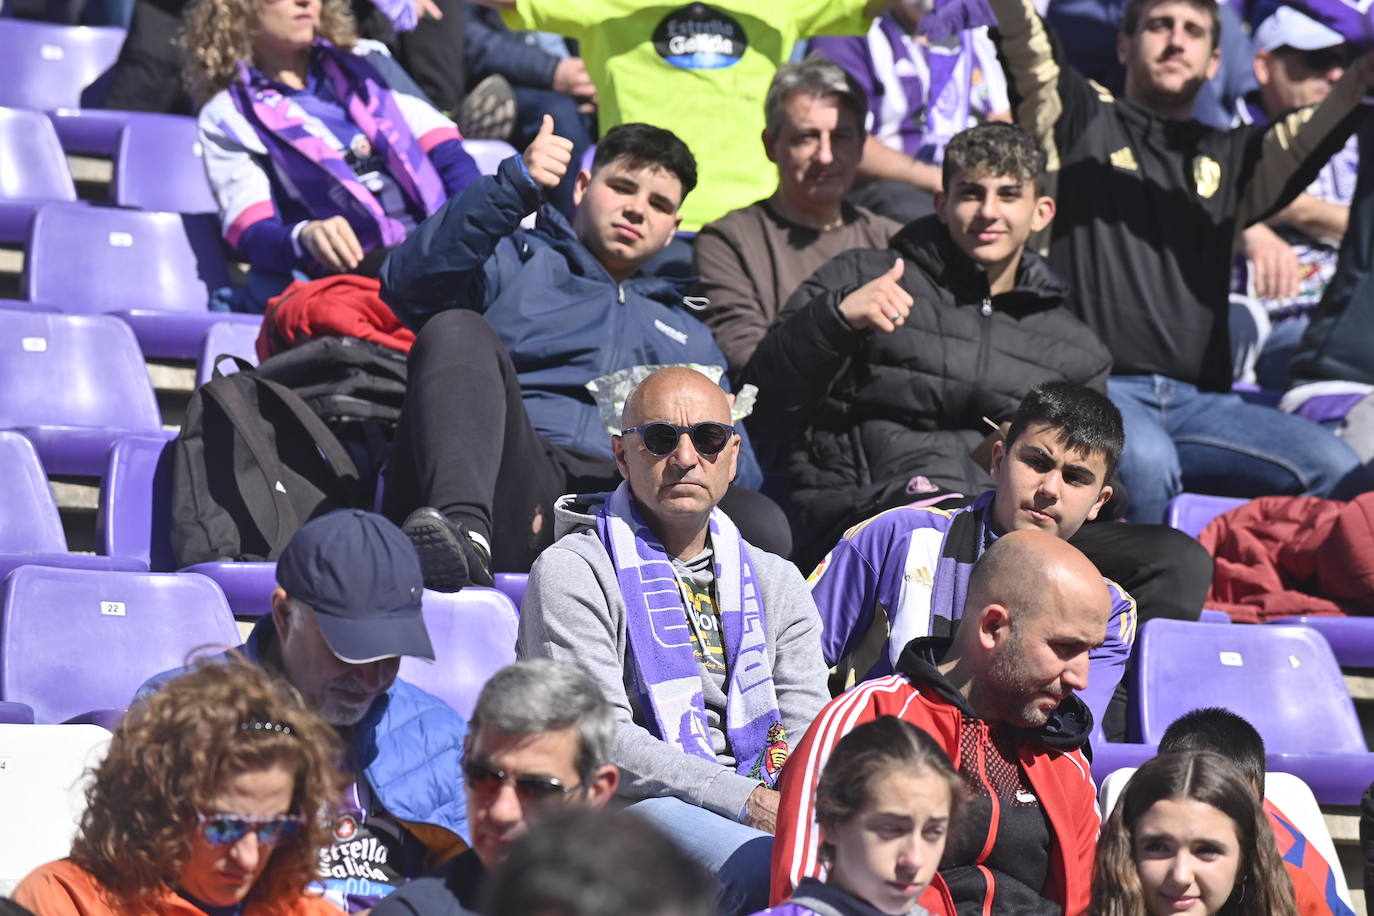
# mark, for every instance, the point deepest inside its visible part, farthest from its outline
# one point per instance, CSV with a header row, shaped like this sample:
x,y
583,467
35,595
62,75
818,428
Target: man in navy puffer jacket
x,y
513,324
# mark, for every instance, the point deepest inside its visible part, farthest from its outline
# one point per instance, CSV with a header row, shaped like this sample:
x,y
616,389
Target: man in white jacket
x,y
708,647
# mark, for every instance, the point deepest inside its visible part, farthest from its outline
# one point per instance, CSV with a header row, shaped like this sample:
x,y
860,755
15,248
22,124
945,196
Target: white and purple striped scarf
x,y
660,639
316,170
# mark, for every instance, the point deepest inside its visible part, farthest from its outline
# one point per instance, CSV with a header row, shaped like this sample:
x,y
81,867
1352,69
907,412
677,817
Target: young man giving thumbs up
x,y
885,363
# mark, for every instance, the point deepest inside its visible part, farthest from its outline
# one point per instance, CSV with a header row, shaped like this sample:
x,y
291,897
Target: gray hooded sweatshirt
x,y
573,611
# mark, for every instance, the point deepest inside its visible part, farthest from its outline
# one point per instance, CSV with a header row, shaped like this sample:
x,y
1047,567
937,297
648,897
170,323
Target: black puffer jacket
x,y
859,413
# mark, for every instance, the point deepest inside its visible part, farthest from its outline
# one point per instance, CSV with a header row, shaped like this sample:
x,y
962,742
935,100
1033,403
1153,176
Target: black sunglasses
x,y
487,780
1323,59
660,439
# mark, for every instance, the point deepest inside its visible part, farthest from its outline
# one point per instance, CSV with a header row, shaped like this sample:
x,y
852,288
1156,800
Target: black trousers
x,y
1166,571
465,446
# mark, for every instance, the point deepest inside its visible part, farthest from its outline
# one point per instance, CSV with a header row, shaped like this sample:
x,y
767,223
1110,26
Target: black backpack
x,y
356,386
252,464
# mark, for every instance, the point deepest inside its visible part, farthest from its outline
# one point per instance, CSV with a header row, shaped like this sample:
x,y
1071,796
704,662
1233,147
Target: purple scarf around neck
x,y
660,640
317,172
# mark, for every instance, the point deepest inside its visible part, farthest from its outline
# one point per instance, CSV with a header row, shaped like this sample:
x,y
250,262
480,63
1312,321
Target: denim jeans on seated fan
x,y
737,855
1179,438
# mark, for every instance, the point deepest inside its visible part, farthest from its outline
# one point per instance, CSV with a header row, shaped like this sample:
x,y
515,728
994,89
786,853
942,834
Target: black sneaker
x,y
449,557
488,111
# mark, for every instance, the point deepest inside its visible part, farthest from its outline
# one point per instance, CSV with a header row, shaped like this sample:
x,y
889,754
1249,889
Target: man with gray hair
x,y
752,259
540,739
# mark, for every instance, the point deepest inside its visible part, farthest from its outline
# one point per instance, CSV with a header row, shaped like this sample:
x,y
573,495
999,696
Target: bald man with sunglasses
x,y
707,647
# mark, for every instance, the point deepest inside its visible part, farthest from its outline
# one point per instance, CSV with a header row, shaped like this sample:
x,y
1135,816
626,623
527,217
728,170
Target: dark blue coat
x,y
562,317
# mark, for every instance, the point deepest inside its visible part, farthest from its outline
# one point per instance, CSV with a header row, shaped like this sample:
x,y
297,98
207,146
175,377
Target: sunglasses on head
x,y
660,439
224,829
487,780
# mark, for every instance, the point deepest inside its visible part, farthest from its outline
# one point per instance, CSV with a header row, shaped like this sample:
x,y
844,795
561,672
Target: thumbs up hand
x,y
881,303
548,156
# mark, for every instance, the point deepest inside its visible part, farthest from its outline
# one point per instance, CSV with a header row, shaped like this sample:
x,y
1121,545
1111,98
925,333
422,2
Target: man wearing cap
x,y
708,647
1291,256
346,609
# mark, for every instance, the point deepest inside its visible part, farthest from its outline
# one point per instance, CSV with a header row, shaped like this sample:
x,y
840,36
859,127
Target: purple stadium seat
x,y
73,384
489,154
1351,638
513,585
16,714
134,517
72,641
226,339
30,528
92,131
134,520
1211,615
1190,512
473,632
155,270
29,522
45,66
1275,676
159,165
35,168
246,586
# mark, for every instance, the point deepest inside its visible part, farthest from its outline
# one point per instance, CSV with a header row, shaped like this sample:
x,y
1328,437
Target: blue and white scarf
x,y
660,639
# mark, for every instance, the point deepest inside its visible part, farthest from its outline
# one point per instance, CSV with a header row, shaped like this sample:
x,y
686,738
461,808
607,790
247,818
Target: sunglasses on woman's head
x,y
487,780
660,439
223,829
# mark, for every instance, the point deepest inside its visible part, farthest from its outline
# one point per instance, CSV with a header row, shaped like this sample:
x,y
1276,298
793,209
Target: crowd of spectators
x,y
940,299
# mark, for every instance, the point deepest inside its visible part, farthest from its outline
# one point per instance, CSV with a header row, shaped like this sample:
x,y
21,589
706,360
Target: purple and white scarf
x,y
660,639
316,170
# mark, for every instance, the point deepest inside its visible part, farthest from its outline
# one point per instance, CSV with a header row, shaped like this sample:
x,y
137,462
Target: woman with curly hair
x,y
884,804
215,797
318,166
1188,836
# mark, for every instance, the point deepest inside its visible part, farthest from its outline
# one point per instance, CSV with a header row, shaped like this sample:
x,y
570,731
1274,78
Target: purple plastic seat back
x,y
1190,512
513,585
101,259
1212,615
92,131
159,165
35,168
489,154
59,372
29,522
135,514
226,338
1351,638
473,633
1274,676
46,66
77,640
1323,408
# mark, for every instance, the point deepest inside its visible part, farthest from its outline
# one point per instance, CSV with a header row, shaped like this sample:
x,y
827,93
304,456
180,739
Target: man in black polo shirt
x,y
1150,204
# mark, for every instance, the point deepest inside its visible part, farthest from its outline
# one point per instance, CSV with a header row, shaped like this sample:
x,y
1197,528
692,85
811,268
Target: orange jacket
x,y
63,888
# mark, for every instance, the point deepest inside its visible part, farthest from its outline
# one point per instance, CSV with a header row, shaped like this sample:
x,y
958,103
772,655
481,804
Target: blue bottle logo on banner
x,y
700,37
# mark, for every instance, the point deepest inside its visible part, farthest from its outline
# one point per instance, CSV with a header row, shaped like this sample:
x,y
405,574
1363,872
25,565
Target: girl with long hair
x,y
1188,836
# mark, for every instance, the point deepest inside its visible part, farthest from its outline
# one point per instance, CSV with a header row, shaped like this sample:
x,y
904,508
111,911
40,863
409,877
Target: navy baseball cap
x,y
362,577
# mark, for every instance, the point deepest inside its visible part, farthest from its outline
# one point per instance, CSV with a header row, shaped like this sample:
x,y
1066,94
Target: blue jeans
x,y
1177,437
737,855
